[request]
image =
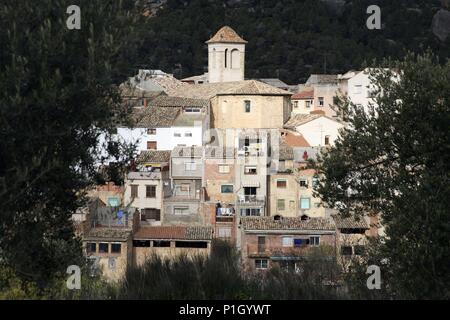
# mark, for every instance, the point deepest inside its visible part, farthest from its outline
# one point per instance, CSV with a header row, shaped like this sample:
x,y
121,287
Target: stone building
x,y
270,241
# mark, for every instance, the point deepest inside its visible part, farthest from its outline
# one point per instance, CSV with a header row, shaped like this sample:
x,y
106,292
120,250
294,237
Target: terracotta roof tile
x,y
285,223
350,222
226,35
305,94
175,232
167,101
150,156
210,90
156,117
107,233
194,151
294,139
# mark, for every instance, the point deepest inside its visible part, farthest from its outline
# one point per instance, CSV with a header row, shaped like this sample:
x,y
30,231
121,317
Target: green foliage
x,y
289,39
219,276
394,160
58,93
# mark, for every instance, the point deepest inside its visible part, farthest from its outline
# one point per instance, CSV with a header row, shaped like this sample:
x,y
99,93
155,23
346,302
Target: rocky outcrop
x,y
441,24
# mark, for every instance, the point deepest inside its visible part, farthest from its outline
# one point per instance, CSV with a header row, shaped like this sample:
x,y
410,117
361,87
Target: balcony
x,y
255,251
251,200
225,214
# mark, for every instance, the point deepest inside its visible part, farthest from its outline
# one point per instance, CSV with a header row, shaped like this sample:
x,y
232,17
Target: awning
x,y
251,184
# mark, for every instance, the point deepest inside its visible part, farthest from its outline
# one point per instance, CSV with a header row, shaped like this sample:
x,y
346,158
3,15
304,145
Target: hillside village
x,y
225,157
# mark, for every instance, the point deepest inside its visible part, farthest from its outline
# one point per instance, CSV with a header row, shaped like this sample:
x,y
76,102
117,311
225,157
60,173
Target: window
x,y
151,145
303,182
190,166
327,140
321,102
249,170
235,63
91,247
295,104
261,263
287,241
151,214
223,168
250,212
280,204
314,241
134,191
247,106
151,131
226,57
301,242
308,103
103,248
150,191
196,110
261,244
357,89
116,247
181,210
224,232
191,244
304,203
161,243
346,251
177,134
226,188
141,243
359,250
281,184
188,134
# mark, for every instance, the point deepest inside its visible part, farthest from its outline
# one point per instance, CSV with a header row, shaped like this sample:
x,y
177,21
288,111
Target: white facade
x,y
226,62
321,131
165,138
359,87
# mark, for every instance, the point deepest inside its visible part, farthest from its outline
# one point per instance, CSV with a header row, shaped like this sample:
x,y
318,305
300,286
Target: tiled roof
x,y
210,90
213,152
167,101
226,35
350,222
322,79
294,139
153,156
156,117
104,233
274,82
175,232
285,223
168,83
305,94
195,151
299,119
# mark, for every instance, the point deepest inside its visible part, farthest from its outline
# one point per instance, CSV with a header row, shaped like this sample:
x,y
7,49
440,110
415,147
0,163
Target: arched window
x,y
226,56
235,63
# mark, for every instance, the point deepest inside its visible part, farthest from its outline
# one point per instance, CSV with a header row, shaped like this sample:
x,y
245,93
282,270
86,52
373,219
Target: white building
x,y
226,56
167,122
317,129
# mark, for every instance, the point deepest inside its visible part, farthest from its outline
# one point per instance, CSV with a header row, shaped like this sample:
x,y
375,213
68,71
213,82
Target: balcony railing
x,y
251,199
278,251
